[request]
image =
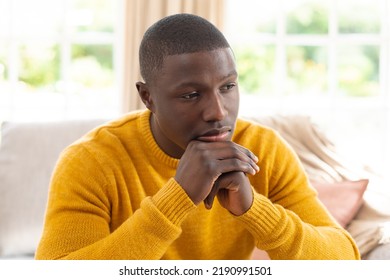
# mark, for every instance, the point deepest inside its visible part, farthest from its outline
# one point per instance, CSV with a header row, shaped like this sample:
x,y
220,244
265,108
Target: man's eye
x,y
190,96
228,87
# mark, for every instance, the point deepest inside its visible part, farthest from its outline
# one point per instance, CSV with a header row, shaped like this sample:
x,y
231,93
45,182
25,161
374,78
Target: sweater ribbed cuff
x,y
262,217
173,202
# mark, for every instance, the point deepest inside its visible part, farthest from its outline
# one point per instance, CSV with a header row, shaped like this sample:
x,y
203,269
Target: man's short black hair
x,y
177,34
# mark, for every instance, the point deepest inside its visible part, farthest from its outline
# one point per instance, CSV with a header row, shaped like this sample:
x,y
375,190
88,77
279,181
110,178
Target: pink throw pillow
x,y
342,199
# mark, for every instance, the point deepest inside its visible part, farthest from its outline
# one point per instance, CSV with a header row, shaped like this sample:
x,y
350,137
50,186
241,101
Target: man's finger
x,y
209,200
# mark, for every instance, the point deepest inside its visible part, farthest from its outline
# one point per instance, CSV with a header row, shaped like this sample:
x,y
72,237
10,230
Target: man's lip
x,y
215,135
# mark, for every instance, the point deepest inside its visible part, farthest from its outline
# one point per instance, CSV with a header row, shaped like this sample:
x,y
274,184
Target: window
x,y
58,59
327,59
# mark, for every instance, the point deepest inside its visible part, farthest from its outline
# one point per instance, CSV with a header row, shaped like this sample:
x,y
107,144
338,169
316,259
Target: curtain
x,y
139,15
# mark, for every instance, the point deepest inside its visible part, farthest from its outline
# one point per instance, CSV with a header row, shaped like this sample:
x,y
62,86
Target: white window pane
x,y
92,66
359,16
4,18
56,59
306,70
92,86
251,16
256,66
93,15
37,18
39,67
306,17
3,63
358,71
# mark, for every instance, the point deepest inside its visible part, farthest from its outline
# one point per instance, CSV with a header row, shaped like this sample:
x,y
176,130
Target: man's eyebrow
x,y
229,75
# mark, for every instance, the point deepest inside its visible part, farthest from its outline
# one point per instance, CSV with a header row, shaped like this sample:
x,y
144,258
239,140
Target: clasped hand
x,y
218,169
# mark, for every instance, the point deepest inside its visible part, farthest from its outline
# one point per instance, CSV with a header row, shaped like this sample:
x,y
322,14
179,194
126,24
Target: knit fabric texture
x,y
113,196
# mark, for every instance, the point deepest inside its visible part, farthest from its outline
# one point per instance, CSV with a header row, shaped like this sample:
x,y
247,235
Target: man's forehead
x,y
198,68
220,57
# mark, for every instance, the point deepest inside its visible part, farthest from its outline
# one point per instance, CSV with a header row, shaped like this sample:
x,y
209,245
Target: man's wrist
x,y
173,201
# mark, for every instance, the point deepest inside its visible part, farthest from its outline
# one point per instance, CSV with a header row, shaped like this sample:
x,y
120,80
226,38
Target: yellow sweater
x,y
113,196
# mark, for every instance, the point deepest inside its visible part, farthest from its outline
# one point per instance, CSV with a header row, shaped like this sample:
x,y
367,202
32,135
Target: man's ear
x,y
144,93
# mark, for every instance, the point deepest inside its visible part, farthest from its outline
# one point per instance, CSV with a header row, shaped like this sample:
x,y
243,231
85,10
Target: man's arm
x,y
288,220
80,223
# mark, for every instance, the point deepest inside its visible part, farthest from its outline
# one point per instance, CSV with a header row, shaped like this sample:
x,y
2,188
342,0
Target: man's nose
x,y
214,108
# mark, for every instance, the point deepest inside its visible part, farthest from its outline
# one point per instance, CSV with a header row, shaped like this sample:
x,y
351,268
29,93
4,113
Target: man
x,y
181,180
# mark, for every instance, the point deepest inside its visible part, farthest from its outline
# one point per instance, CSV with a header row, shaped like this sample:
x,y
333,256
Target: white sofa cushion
x,y
28,153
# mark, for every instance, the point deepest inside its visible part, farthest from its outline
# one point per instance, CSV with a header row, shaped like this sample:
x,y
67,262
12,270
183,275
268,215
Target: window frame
x,y
330,102
65,40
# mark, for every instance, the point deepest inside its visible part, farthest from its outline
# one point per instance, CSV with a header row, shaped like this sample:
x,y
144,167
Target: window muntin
x,y
55,53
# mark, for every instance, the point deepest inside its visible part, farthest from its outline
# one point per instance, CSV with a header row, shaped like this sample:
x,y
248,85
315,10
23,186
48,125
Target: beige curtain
x,y
139,15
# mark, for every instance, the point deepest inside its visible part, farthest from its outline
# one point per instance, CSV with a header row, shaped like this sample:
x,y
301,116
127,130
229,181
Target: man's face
x,y
194,97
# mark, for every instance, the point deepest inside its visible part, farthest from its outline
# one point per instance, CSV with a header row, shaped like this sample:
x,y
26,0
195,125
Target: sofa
x,y
29,151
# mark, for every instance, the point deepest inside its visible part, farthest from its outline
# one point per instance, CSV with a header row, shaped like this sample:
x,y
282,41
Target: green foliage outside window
x,y
306,67
311,18
358,71
39,65
42,65
256,68
306,70
92,65
363,19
